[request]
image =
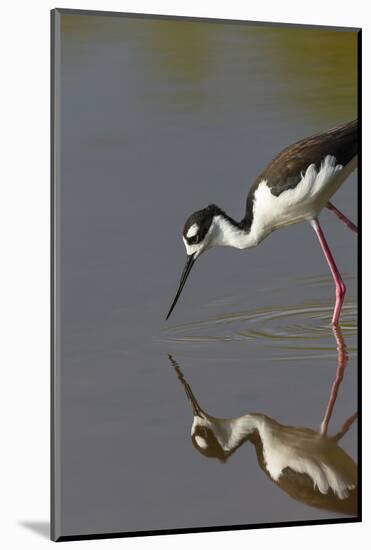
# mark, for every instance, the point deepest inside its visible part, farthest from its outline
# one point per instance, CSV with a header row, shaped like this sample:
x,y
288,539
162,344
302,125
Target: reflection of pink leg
x,y
342,363
342,217
345,427
340,286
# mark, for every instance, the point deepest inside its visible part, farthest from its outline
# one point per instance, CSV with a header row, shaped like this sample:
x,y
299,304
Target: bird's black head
x,y
198,225
197,237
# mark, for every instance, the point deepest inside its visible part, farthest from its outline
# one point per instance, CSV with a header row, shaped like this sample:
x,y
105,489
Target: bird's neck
x,y
228,232
240,428
231,432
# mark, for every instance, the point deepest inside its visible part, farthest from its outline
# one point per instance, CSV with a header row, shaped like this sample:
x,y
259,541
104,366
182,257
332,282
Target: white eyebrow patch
x,y
201,442
192,231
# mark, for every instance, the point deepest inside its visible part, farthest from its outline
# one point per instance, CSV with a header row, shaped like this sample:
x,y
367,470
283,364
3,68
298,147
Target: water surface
x,y
161,118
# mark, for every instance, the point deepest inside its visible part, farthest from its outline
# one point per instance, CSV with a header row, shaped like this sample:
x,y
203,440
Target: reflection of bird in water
x,y
307,464
295,187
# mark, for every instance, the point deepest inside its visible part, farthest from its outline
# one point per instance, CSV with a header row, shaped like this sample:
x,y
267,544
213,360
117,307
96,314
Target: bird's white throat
x,y
224,233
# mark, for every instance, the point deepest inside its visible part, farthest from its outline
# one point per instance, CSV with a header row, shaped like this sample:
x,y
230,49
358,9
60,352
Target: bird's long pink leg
x,y
342,360
340,286
342,217
345,427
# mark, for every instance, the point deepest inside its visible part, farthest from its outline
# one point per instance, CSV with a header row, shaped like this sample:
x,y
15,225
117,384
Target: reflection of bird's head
x,y
218,437
211,436
204,440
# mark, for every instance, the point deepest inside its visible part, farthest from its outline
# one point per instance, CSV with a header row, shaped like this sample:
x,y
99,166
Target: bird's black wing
x,y
286,169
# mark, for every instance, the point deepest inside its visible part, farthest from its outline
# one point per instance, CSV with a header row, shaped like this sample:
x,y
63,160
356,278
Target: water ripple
x,y
299,327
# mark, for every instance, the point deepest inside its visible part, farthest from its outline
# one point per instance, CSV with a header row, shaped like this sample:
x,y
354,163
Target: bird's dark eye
x,y
194,239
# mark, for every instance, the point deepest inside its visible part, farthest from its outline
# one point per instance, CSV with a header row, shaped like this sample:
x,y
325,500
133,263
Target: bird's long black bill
x,y
186,272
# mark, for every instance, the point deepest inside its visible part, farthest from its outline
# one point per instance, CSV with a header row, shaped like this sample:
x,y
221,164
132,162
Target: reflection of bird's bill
x,y
195,406
186,271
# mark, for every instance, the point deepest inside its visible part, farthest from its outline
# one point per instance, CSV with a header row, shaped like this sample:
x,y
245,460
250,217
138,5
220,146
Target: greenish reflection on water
x,y
310,73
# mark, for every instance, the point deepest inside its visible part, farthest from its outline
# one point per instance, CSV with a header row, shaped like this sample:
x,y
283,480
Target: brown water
x,y
160,118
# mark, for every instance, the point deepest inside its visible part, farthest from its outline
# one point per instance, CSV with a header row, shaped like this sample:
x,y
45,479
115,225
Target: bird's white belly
x,y
280,453
301,203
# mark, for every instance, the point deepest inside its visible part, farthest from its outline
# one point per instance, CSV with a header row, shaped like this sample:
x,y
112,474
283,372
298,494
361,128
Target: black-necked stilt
x,y
294,187
308,465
